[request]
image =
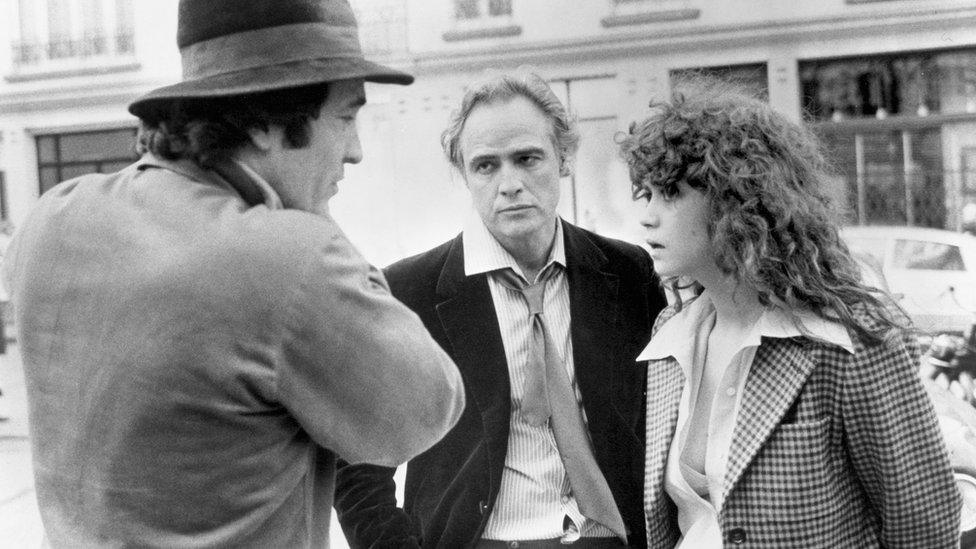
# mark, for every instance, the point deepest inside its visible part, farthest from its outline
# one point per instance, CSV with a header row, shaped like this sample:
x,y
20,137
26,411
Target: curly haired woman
x,y
784,407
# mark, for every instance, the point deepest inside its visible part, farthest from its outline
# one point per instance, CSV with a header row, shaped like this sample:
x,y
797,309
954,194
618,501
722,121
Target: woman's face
x,y
676,229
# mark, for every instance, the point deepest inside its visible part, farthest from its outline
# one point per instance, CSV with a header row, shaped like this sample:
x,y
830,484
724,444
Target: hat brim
x,y
274,77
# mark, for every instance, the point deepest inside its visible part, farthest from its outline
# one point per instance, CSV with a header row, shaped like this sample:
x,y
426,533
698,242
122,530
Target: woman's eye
x,y
670,192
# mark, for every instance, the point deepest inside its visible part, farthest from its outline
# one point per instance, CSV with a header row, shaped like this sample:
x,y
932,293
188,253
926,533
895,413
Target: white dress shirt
x,y
535,496
697,493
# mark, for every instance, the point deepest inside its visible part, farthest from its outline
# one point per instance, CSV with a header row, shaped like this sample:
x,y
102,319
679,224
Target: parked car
x,y
931,272
957,418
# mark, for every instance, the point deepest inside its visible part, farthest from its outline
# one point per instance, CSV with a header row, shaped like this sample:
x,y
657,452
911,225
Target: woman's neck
x,y
736,305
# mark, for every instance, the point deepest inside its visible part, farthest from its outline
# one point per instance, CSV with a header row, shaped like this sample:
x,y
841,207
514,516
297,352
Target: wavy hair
x,y
771,224
209,130
502,87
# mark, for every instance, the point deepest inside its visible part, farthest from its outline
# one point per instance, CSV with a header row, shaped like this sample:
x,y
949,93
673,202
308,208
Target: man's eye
x,y
483,167
530,160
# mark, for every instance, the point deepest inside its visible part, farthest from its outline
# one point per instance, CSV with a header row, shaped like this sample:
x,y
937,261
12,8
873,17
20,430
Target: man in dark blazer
x,y
502,475
499,476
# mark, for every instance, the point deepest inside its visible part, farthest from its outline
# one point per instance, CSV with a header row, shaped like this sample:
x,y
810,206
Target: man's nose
x,y
510,180
354,149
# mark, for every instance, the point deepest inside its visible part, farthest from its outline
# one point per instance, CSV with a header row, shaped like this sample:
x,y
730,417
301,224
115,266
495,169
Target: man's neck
x,y
531,254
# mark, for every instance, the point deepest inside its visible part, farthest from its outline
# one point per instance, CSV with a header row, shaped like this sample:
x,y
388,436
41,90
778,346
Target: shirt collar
x,y
271,198
482,253
674,338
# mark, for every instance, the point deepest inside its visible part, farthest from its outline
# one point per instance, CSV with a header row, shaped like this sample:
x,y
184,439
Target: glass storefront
x,y
891,125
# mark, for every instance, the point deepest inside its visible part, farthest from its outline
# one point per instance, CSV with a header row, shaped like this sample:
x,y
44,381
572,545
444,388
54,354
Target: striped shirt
x,y
535,496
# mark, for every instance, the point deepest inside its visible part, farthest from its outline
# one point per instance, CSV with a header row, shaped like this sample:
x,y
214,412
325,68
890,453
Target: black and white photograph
x,y
488,274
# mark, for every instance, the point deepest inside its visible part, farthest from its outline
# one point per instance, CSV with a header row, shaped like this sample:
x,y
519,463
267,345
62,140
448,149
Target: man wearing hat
x,y
200,339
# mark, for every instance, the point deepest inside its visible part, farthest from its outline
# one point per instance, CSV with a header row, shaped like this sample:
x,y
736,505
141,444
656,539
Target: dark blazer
x,y
451,489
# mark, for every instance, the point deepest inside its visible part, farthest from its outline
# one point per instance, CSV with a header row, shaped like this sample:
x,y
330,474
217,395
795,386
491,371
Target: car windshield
x,y
921,255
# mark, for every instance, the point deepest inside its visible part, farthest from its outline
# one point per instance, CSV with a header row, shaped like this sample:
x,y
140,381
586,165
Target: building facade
x,y
889,84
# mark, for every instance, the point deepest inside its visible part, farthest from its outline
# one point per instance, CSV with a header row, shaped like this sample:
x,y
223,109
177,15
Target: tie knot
x,y
534,294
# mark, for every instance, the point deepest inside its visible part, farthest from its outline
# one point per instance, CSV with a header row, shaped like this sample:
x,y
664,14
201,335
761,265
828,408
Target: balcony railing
x,y
92,46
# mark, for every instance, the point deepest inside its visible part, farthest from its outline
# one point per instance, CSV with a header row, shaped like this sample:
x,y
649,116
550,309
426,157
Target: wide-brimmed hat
x,y
235,47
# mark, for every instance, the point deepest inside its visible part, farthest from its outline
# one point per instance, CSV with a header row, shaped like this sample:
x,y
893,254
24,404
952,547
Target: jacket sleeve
x,y
897,449
358,370
366,507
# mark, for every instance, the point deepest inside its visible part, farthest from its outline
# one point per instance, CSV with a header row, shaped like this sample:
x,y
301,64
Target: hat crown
x,y
238,47
201,20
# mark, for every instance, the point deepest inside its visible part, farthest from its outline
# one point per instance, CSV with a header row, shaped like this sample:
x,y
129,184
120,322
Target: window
x,y
889,175
477,19
928,256
752,76
59,35
639,12
382,26
63,156
475,9
907,84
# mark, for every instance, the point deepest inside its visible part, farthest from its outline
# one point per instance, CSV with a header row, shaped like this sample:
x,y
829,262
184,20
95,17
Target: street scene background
x,y
889,85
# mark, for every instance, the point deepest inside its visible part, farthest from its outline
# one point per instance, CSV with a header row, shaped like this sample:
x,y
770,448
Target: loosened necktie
x,y
548,392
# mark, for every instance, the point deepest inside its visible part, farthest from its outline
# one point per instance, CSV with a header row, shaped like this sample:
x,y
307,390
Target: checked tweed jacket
x,y
829,450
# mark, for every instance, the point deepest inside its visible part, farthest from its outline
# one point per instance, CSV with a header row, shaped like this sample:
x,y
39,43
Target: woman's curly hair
x,y
771,224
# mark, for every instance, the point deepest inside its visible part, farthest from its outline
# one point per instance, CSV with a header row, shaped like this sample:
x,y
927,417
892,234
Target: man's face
x,y
308,177
511,167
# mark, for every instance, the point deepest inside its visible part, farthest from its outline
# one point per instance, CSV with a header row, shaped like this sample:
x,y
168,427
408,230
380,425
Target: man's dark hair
x,y
209,130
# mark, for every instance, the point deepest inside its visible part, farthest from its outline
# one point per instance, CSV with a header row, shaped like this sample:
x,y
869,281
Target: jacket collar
x,y
698,316
230,174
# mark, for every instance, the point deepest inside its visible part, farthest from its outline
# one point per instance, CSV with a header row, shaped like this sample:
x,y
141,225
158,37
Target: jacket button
x,y
482,506
737,536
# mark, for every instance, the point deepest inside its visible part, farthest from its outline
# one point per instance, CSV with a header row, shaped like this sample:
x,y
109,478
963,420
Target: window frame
x,y
59,165
91,44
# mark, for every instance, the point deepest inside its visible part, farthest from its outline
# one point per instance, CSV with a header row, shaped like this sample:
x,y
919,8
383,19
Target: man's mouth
x,y
654,245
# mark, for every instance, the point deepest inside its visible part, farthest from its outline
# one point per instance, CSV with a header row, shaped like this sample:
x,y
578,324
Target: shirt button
x,y
730,391
565,500
513,544
737,536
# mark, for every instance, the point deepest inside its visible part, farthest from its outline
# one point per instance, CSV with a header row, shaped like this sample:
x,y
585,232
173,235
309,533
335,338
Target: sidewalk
x,y
20,521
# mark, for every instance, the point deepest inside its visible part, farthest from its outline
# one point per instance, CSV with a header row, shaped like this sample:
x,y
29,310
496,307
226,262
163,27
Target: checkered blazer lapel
x,y
777,375
665,381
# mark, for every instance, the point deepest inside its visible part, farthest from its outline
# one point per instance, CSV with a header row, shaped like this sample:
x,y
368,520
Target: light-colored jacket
x,y
829,449
195,362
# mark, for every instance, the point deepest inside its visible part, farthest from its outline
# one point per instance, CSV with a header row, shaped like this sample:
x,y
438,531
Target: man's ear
x,y
264,139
